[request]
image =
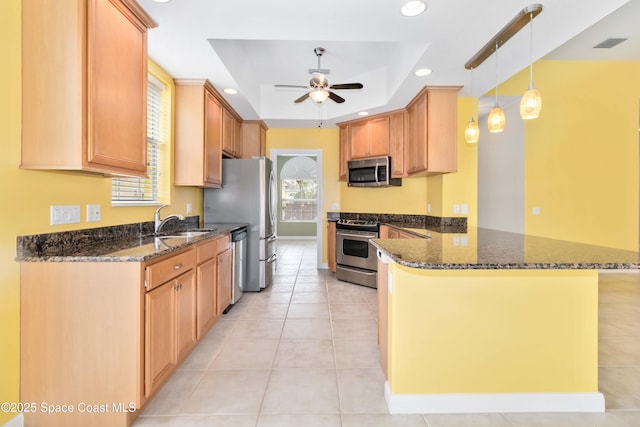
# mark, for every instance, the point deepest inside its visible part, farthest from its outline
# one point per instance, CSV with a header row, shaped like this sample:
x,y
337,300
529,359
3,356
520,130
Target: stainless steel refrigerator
x,y
248,194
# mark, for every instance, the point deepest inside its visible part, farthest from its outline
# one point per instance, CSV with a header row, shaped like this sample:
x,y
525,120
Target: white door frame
x,y
273,155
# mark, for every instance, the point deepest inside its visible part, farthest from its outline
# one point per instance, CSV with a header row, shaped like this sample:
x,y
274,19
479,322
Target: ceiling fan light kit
x,y
319,95
413,7
319,88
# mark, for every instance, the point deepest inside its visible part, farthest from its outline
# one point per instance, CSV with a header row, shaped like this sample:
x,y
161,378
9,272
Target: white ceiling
x,y
251,45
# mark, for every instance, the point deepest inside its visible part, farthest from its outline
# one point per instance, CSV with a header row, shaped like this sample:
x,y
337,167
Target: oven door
x,y
355,250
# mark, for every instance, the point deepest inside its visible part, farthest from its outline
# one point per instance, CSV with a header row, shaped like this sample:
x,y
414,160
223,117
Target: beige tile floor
x,y
303,353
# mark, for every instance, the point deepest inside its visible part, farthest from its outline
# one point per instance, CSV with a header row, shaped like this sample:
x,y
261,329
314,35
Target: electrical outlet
x,y
93,213
535,211
428,207
189,208
464,209
65,214
456,209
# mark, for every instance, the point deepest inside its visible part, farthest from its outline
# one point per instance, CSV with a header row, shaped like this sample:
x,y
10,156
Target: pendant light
x,y
531,102
472,131
496,121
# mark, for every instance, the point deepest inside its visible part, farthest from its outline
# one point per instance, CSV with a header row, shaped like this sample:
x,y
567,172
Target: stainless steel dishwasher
x,y
238,264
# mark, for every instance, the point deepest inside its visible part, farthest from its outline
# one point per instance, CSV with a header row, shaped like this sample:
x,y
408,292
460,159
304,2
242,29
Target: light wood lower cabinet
x,y
224,280
331,245
92,332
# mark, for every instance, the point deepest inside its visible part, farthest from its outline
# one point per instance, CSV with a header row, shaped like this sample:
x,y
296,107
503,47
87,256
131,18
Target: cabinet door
x,y
185,314
117,92
396,143
237,139
442,128
359,140
160,336
227,131
344,152
331,245
418,135
378,136
224,280
213,142
206,296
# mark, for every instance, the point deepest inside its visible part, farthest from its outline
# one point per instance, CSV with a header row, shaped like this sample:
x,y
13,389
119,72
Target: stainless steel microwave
x,y
371,172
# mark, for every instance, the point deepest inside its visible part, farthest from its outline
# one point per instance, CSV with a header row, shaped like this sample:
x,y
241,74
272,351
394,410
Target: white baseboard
x,y
17,421
492,402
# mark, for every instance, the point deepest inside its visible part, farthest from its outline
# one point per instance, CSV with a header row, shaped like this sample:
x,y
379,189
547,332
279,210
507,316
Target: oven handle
x,y
361,236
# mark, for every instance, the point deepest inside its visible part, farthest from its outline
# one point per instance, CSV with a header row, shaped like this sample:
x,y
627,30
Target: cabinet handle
x,y
178,287
177,266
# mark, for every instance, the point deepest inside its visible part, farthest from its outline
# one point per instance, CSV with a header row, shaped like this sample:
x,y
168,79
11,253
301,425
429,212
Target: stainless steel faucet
x,y
161,222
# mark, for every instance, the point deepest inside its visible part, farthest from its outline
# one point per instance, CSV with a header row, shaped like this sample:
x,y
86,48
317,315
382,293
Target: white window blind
x,y
145,190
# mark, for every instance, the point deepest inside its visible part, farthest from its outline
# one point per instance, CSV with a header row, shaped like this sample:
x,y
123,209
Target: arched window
x,y
299,190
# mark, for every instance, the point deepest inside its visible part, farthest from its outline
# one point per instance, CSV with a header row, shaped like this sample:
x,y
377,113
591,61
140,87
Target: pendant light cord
x,y
531,51
496,74
471,105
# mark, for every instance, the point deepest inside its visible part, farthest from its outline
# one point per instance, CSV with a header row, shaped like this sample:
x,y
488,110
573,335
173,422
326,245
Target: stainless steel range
x,y
355,255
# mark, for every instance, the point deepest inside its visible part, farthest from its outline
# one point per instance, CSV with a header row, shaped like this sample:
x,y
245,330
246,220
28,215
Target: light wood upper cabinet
x,y
431,144
344,151
369,138
84,74
397,125
198,144
254,138
231,138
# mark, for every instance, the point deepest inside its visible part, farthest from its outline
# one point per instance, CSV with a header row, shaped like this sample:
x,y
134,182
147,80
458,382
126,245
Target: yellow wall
x,y
482,332
326,140
27,195
581,155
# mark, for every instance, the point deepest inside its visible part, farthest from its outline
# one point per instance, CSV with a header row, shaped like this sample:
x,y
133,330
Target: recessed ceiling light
x,y
423,72
413,7
230,91
363,113
161,1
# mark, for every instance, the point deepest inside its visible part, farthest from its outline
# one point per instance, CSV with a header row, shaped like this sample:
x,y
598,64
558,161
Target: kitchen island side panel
x,y
487,333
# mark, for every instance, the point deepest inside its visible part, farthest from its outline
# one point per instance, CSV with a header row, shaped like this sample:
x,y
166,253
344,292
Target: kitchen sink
x,y
191,233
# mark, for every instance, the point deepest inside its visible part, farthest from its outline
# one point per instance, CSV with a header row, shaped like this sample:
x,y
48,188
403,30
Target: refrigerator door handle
x,y
272,258
272,197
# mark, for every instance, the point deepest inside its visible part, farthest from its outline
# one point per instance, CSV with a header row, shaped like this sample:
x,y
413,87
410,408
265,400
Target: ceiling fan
x,y
319,88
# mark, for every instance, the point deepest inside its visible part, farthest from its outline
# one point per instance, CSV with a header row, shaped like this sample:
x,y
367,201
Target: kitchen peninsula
x,y
489,321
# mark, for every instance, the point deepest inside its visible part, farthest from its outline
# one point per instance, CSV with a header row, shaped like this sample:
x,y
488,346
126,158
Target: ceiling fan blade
x,y
296,86
303,97
336,98
347,86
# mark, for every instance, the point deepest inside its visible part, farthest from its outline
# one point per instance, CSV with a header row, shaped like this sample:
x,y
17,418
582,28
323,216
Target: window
x,y
140,191
299,189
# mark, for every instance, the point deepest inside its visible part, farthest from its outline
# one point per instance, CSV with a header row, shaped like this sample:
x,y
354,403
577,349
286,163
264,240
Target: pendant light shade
x,y
531,102
496,120
472,132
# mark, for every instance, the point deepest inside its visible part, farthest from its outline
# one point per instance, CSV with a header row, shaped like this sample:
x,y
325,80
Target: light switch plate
x,y
69,214
93,213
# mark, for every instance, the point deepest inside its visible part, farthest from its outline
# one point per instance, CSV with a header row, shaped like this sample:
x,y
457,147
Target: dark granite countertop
x,y
481,248
142,247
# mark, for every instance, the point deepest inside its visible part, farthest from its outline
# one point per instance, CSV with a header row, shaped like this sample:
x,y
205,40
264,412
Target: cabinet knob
x,y
177,266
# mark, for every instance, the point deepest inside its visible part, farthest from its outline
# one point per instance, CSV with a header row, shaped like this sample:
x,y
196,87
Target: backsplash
x,y
69,242
436,223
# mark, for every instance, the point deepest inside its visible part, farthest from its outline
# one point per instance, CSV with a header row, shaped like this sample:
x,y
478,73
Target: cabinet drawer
x,y
167,269
206,251
224,243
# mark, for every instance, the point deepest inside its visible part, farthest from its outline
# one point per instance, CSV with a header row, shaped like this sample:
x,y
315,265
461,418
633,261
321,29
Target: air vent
x,y
609,43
